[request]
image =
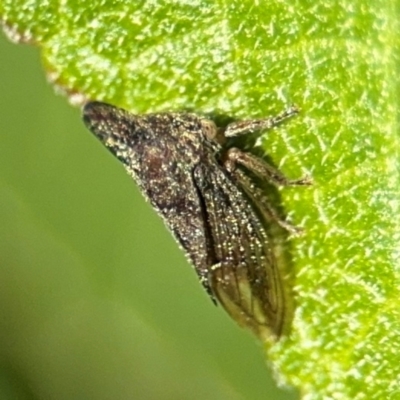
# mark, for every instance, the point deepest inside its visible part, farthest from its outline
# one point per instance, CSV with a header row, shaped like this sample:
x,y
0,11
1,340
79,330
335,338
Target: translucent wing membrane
x,y
246,279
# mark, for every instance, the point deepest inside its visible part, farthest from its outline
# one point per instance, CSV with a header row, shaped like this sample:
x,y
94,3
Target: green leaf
x,y
338,61
97,301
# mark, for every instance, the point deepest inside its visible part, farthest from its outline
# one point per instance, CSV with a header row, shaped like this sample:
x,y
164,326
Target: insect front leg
x,y
241,128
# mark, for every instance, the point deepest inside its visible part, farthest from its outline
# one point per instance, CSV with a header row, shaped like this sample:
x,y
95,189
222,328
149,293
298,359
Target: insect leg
x,y
260,198
241,128
235,156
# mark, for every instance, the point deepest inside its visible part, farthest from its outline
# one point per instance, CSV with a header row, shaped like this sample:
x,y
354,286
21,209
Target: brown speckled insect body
x,y
207,197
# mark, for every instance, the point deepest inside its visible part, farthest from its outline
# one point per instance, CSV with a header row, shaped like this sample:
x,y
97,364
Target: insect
x,y
206,192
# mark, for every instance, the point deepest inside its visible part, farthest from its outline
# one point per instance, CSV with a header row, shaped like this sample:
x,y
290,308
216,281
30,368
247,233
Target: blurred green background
x,y
97,300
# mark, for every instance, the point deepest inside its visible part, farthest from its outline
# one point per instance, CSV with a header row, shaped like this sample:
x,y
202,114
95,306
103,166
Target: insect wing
x,y
246,279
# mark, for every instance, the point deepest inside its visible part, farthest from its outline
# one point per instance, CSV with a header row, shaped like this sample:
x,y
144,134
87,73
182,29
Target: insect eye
x,y
209,129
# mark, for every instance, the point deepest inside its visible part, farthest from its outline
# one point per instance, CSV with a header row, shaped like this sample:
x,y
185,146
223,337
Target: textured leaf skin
x,y
338,61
